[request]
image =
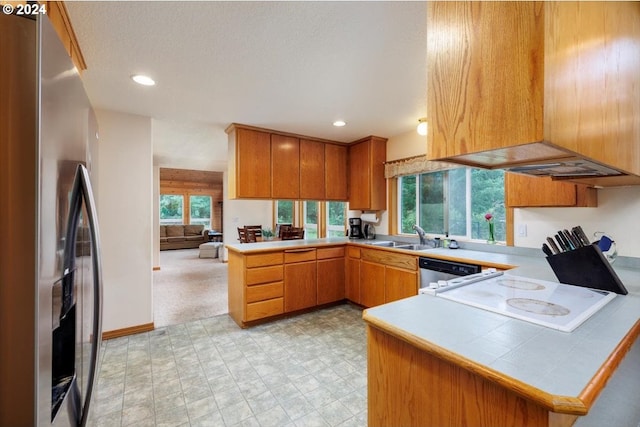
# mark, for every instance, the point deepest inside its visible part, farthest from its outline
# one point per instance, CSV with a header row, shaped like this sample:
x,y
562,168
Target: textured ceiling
x,y
290,66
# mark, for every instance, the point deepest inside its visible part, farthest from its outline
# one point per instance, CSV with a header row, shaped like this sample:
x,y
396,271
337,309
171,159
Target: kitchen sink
x,y
413,247
399,245
385,243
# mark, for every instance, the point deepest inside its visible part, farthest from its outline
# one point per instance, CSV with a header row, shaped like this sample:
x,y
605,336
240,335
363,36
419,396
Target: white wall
x,y
616,214
238,213
126,217
155,231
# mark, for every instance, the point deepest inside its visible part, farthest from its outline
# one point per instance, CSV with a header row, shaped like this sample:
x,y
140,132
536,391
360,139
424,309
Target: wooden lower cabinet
x,y
331,275
399,284
256,286
300,279
408,386
352,278
386,276
372,284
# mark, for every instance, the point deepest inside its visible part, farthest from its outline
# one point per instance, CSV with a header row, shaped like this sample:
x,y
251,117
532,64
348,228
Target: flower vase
x,y
492,237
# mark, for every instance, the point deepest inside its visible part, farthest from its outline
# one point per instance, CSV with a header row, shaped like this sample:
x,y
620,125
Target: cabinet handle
x,y
293,251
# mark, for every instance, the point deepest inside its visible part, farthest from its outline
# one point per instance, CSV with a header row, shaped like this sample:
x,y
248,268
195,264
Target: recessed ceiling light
x,y
143,80
339,123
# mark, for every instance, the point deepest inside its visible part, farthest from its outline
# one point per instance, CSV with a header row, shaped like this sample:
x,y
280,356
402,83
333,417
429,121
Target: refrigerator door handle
x,y
82,191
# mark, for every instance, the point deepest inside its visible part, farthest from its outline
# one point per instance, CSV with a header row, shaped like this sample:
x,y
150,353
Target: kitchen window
x,y
453,202
310,214
319,219
336,219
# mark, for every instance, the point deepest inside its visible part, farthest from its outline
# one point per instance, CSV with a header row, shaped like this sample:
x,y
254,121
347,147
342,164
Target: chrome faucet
x,y
421,234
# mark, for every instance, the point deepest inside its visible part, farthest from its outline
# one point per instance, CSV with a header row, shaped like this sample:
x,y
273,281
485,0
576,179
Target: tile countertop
x,y
561,364
564,366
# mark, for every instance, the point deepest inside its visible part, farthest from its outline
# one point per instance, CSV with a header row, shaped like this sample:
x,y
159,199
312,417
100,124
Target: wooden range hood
x,y
542,88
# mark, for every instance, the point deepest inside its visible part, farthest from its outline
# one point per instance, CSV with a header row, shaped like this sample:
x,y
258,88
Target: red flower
x,y
488,217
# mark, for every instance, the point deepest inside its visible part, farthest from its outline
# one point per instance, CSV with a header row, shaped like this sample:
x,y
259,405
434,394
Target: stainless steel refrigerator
x,y
50,286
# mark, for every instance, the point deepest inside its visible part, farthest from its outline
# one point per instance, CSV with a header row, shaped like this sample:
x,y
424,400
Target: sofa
x,y
182,236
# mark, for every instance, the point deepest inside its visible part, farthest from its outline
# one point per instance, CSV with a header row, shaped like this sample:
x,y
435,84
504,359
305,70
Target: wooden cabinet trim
x,y
333,252
407,262
263,309
263,260
264,292
353,252
299,255
256,276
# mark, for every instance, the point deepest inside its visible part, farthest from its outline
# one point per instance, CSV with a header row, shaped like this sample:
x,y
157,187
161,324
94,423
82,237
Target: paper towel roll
x,y
369,217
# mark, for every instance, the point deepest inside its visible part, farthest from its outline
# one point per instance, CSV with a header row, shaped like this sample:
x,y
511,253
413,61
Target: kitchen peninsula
x,y
433,361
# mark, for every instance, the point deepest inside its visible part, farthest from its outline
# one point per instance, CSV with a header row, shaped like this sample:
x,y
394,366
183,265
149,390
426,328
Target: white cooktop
x,y
554,305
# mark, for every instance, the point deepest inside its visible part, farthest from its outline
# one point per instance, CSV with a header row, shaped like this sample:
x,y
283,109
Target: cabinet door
x,y
331,278
312,185
335,166
252,164
352,284
367,185
285,167
371,284
400,284
359,171
300,286
525,191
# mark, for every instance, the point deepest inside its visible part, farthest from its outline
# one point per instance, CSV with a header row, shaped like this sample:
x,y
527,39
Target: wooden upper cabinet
x,y
522,82
285,167
367,186
524,191
312,170
336,171
249,164
485,86
266,164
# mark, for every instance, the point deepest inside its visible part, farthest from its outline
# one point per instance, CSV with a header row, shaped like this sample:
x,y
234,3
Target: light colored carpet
x,y
188,288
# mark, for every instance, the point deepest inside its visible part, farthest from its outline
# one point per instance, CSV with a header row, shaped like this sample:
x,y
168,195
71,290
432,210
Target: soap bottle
x,y
445,241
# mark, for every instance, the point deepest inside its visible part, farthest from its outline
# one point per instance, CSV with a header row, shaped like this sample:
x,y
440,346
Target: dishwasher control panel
x,y
445,285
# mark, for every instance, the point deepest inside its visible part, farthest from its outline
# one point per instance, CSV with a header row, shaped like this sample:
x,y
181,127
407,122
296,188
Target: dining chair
x,y
241,235
280,228
250,235
257,229
293,233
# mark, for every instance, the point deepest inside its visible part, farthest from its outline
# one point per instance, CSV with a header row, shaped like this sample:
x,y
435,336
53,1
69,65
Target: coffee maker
x,y
355,228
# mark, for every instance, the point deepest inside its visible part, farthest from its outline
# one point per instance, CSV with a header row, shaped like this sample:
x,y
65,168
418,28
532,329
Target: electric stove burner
x,y
551,304
521,284
538,307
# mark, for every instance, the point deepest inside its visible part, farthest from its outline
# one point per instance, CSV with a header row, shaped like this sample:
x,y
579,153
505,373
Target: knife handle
x,y
569,238
553,246
580,232
561,243
546,250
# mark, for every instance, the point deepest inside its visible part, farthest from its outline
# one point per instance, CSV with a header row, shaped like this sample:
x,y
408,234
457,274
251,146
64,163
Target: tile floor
x,y
308,370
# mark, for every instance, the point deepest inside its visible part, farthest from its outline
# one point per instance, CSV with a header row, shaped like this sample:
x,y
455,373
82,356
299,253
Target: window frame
x,y
395,200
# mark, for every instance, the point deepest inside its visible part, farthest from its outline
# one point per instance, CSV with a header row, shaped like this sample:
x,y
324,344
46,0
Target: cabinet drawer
x,y
262,309
325,253
353,252
262,260
407,262
299,255
264,292
259,275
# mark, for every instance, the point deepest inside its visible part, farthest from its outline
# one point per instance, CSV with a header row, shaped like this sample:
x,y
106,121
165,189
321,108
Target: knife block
x,y
586,267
